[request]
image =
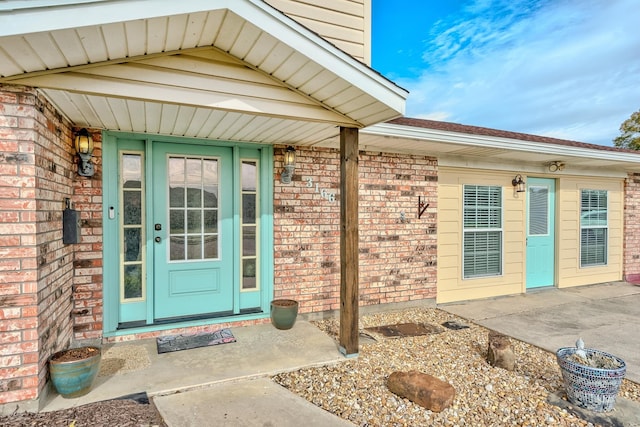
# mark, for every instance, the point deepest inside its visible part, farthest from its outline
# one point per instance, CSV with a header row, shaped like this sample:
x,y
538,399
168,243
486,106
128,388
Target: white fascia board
x,y
324,53
462,139
65,15
11,5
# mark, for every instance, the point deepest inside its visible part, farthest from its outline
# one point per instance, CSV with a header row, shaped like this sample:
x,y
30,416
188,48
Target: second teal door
x,y
540,232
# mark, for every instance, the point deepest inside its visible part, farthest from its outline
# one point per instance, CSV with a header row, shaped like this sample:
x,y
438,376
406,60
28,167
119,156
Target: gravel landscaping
x,y
355,389
485,396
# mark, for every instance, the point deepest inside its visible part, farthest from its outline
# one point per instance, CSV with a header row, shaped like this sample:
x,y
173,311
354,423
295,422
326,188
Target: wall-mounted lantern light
x,y
289,165
518,183
84,148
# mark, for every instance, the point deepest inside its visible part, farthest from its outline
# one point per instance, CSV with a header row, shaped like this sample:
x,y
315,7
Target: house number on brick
x,y
331,197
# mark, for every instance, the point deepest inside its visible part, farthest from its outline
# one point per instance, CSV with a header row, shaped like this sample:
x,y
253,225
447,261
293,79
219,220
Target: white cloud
x,y
563,68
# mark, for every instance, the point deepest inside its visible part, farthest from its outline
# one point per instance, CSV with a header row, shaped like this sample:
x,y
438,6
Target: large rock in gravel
x,y
500,353
423,389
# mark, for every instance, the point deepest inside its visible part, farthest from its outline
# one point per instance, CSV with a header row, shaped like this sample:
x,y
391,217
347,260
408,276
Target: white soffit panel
x,y
146,51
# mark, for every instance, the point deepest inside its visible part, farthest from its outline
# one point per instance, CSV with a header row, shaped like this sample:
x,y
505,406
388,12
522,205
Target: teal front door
x,y
188,231
540,232
192,231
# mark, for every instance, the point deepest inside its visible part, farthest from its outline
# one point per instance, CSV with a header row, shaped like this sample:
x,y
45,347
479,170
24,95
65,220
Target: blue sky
x,y
562,68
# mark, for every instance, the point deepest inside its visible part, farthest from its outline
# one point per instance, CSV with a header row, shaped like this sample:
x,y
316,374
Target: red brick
x,y
9,146
17,324
28,312
8,349
9,289
30,358
18,395
10,361
9,313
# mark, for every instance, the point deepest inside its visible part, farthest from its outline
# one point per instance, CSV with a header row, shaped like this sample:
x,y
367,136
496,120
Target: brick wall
x,y
54,172
35,285
397,250
87,263
631,244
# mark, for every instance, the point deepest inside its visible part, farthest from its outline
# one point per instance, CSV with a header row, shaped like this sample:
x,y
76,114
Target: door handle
x,y
157,239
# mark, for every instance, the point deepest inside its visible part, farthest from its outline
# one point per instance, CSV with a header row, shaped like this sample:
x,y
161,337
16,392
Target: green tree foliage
x,y
629,133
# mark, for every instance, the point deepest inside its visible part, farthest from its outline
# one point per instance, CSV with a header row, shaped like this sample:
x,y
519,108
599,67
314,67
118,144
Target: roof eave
x,y
510,144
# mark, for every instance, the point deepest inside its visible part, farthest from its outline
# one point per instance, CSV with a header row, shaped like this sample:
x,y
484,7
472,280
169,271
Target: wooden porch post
x,y
349,265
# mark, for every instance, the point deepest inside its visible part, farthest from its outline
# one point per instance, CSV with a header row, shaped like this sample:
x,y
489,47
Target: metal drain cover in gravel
x,y
405,329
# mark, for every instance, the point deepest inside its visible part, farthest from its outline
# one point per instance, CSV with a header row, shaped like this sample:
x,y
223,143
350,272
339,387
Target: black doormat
x,y
171,343
405,329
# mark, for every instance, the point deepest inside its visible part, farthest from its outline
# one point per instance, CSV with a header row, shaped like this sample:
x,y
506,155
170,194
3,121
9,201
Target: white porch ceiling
x,y
232,70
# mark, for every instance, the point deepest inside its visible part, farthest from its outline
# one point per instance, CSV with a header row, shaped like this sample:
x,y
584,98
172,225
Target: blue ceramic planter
x,y
284,313
73,378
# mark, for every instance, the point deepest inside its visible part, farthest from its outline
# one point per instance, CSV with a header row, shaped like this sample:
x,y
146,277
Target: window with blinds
x,y
593,227
482,231
538,210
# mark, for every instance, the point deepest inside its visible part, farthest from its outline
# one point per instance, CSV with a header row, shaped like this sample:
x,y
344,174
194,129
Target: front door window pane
x,y
132,227
249,273
176,182
132,244
176,221
211,246
132,281
132,203
210,191
210,221
250,225
194,247
177,248
249,241
194,221
193,208
194,197
249,208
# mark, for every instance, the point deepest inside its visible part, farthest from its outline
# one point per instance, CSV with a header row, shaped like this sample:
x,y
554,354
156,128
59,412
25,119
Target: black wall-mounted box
x,y
70,226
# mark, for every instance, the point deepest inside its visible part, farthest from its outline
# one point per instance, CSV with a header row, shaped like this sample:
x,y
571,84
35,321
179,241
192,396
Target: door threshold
x,y
540,288
183,319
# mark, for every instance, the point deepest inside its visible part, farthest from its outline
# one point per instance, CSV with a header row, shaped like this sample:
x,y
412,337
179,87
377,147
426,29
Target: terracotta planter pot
x,y
73,371
284,313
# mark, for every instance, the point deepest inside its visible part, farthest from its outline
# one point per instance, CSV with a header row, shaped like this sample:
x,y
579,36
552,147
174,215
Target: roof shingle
x,y
477,130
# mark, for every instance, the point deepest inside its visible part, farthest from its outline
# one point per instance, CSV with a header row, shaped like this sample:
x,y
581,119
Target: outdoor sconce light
x,y
289,165
556,166
84,148
518,183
